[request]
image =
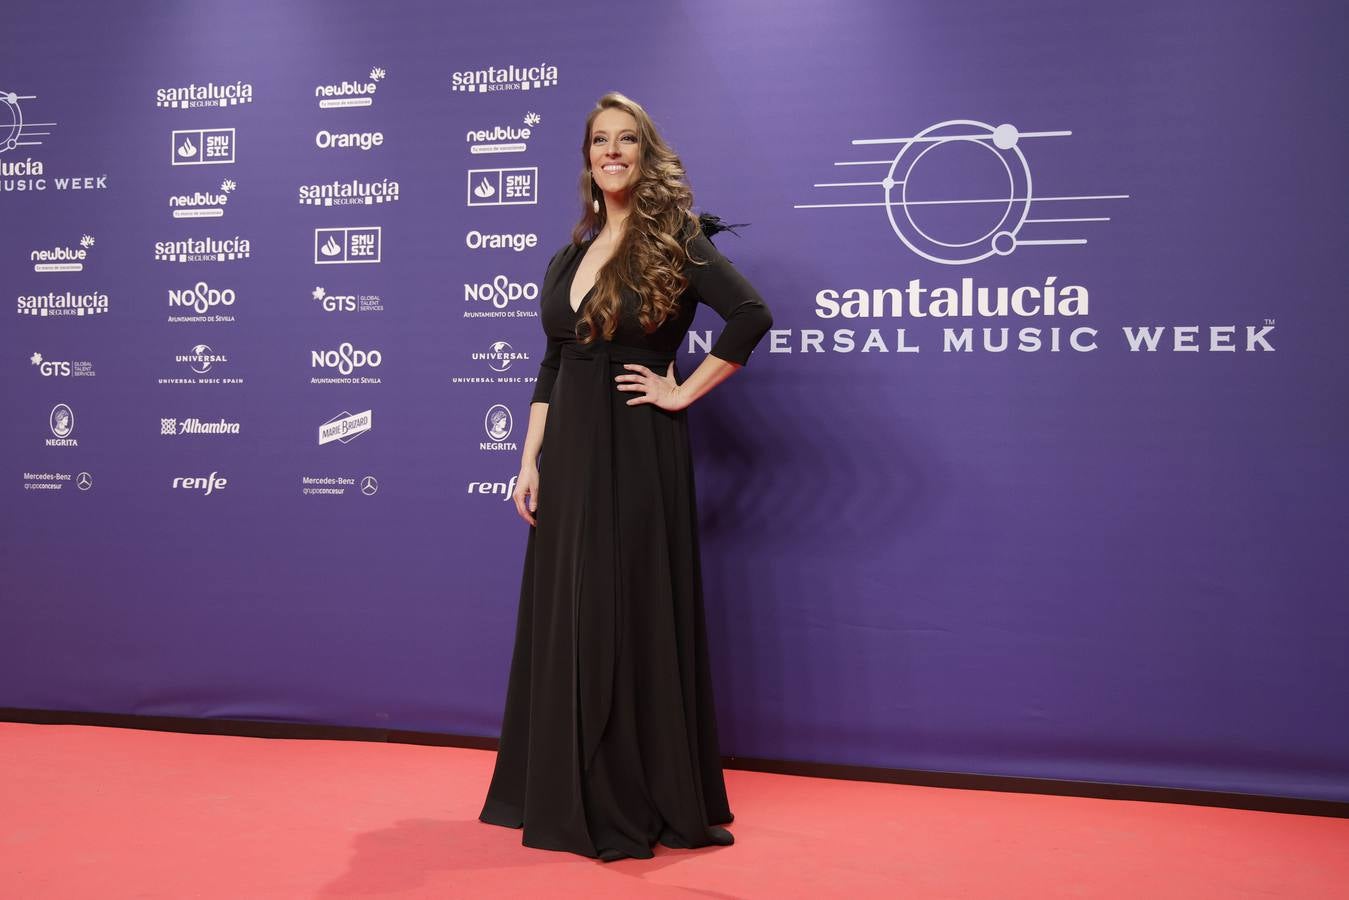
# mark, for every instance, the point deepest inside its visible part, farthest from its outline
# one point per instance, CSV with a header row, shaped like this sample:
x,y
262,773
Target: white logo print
x,y
337,246
207,483
503,187
347,94
345,427
62,424
62,368
510,78
202,147
349,193
14,131
201,297
210,249
347,302
498,423
177,427
202,204
501,292
191,96
983,159
62,259
503,138
345,359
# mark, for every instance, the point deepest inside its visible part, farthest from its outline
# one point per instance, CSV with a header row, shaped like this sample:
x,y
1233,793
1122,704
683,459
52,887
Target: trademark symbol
x,y
1269,321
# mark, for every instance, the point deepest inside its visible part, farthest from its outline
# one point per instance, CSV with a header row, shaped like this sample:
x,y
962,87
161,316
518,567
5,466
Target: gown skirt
x,y
608,742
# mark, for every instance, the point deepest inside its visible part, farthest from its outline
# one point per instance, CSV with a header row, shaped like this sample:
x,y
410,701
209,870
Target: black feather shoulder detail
x,y
712,225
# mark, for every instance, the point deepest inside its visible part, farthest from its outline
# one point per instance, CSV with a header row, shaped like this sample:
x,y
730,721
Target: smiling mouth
x,y
615,168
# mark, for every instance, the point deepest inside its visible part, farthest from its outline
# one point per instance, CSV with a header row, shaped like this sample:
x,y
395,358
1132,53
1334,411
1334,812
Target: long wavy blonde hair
x,y
650,259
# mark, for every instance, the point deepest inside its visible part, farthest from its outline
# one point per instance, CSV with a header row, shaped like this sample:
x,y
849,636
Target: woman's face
x,y
615,151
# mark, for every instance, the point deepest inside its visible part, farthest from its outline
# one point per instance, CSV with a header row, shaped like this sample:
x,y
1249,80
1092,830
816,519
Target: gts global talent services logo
x,y
62,368
503,138
193,96
346,94
202,147
342,303
506,78
206,204
62,259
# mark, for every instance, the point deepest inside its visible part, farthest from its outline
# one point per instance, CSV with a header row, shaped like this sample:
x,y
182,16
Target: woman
x,y
609,738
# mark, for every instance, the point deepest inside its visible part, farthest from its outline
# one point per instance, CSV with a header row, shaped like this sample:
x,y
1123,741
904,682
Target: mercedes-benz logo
x,y
84,481
369,485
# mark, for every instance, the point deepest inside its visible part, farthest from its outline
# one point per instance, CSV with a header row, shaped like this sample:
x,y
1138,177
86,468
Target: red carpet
x,y
111,813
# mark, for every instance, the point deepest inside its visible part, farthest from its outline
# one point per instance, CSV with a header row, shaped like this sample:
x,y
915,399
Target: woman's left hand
x,y
663,391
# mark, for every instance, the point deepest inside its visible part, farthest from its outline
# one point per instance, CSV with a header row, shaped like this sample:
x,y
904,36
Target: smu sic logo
x,y
202,147
200,297
345,359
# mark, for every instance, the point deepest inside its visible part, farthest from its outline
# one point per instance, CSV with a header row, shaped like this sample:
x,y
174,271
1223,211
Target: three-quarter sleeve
x,y
721,287
552,352
552,355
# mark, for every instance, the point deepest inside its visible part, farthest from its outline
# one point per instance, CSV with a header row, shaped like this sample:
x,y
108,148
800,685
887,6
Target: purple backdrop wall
x,y
1085,556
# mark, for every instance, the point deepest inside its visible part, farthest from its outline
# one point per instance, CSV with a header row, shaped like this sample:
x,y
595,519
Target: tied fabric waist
x,y
590,382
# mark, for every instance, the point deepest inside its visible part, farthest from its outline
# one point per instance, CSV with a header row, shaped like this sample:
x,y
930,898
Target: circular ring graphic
x,y
999,235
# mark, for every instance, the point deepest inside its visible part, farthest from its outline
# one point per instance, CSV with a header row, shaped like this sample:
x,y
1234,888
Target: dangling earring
x,y
595,205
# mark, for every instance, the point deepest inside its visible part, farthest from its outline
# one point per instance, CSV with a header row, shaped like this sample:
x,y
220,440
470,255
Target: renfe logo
x,y
208,483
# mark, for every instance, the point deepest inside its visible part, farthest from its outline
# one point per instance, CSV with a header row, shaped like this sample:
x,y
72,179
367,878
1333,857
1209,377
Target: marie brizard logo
x,y
960,191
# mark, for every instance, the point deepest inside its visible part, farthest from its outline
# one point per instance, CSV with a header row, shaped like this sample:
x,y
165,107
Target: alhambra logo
x,y
508,78
961,191
347,94
192,96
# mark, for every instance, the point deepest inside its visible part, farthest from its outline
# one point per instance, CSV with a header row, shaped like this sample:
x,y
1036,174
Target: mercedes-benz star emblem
x,y
369,485
84,481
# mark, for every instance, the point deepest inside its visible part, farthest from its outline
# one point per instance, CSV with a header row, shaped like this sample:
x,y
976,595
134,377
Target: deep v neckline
x,y
575,310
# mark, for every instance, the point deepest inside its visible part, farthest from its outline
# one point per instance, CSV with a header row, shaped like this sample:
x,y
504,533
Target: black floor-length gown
x,y
609,741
